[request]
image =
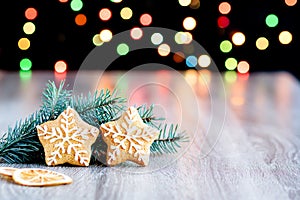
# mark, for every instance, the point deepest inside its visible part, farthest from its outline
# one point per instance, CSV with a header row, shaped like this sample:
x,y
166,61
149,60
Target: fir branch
x,y
98,108
168,140
148,116
21,144
55,100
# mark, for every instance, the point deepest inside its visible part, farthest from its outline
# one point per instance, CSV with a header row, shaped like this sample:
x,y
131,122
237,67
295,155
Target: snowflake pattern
x,y
128,138
67,139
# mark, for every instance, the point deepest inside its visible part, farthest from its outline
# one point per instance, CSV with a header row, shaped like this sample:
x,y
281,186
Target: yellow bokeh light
x,y
183,37
29,28
184,2
224,8
262,43
189,23
126,13
204,61
24,43
105,35
290,2
243,67
285,37
238,38
97,41
230,76
164,49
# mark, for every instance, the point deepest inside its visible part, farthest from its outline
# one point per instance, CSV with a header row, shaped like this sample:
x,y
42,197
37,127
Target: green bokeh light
x,y
272,20
230,63
226,46
76,5
122,49
25,64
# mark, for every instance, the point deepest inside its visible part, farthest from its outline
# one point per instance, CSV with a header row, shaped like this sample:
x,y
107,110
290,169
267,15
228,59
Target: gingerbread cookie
x,y
67,139
128,138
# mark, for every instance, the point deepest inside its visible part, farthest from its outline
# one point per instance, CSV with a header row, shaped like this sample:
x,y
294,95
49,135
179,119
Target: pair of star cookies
x,y
68,139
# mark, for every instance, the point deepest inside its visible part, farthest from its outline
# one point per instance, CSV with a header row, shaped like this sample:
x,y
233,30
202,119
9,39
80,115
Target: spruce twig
x,y
169,138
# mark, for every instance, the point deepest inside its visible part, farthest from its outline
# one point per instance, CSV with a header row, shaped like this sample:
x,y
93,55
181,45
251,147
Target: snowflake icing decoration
x,y
67,139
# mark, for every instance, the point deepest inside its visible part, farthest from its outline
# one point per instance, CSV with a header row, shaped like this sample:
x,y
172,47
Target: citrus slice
x,y
7,171
40,177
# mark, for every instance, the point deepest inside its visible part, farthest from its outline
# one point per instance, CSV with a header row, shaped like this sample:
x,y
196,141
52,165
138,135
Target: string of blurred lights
x,y
184,37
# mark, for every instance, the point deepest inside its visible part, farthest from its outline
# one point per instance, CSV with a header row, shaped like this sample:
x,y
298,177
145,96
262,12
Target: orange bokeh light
x,y
224,8
105,14
31,13
80,19
60,66
178,57
146,19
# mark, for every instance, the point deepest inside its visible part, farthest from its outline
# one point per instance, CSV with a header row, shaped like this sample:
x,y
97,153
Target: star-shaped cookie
x,y
67,139
128,138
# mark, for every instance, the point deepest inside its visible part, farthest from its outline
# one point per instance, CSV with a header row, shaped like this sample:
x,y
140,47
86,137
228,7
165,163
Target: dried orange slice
x,y
40,177
7,171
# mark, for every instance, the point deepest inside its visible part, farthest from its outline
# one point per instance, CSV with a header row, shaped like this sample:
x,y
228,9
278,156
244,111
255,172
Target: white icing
x,y
131,133
65,135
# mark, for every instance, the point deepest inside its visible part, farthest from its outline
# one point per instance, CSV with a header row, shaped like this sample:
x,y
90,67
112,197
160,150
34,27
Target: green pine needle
x,y
168,140
99,108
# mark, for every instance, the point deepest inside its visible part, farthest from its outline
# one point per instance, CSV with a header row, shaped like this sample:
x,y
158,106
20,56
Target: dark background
x,y
57,37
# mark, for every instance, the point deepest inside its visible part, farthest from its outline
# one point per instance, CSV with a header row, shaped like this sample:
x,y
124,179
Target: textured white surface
x,y
256,155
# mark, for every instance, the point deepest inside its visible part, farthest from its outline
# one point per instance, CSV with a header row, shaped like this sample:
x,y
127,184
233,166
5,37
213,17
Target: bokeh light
x,y
164,49
271,20
231,63
29,28
238,38
145,19
243,67
223,22
105,14
136,33
31,13
204,61
157,38
105,35
97,41
63,1
225,46
122,49
80,19
230,76
25,64
183,37
116,1
184,2
224,8
24,43
76,5
195,4
126,13
178,57
191,61
285,37
290,2
189,23
60,66
262,43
